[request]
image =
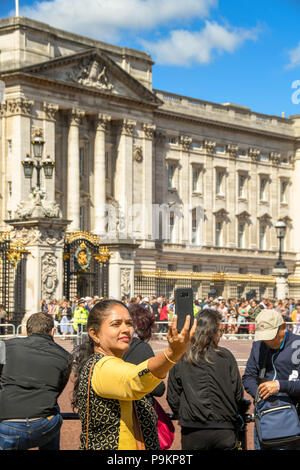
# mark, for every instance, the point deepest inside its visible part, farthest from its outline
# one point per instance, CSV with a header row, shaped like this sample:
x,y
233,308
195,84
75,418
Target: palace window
x,y
220,148
262,236
171,228
241,235
220,182
242,185
219,233
196,177
241,153
171,174
283,191
195,145
263,188
195,228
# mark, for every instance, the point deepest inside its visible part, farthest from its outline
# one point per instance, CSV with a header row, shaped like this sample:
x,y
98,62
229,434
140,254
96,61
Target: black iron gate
x,y
85,266
160,284
12,278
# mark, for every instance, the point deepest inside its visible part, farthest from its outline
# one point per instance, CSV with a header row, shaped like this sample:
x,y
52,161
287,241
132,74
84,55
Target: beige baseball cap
x,y
267,323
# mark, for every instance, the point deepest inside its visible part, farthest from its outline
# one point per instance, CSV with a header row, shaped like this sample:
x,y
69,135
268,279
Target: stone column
x,y
282,284
73,177
184,221
231,194
99,175
209,192
124,178
148,185
44,240
121,269
18,127
50,111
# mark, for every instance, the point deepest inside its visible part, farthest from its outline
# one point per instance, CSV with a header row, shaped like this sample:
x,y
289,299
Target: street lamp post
x,y
29,164
280,270
281,230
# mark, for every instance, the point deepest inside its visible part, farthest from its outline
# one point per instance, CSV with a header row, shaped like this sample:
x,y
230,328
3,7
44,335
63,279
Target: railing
x,y
294,327
6,326
159,334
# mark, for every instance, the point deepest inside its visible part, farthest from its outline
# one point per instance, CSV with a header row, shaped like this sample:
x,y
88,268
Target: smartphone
x,y
184,305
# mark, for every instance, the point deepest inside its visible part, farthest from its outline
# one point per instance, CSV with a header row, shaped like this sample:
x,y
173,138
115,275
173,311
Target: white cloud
x,y
108,19
294,57
189,47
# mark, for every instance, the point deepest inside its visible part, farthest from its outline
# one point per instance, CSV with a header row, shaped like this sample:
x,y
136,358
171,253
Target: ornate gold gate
x,y
85,266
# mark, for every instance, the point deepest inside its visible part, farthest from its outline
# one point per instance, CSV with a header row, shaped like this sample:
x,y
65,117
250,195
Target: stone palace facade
x,y
175,187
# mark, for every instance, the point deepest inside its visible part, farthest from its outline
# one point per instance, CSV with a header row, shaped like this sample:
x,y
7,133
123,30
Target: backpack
x,y
276,418
276,421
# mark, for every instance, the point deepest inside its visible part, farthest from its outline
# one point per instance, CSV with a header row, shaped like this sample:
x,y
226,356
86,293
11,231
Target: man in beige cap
x,y
276,352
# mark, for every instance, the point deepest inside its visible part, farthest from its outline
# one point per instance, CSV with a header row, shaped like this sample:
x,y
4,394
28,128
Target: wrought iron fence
x,y
12,277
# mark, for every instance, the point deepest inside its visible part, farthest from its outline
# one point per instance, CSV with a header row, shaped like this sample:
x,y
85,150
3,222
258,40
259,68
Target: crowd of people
x,y
117,375
238,315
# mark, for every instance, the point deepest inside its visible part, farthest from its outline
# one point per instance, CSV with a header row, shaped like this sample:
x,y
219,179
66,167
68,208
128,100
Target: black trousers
x,y
208,439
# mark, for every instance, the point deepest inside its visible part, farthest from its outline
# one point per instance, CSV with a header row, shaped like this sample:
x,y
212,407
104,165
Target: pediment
x,y
93,70
243,215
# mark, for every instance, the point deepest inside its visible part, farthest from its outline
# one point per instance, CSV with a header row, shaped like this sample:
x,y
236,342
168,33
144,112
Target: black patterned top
x,y
110,424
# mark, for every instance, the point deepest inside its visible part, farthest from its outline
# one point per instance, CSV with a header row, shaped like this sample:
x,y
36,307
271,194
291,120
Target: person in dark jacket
x,y
275,350
139,349
205,389
34,372
254,310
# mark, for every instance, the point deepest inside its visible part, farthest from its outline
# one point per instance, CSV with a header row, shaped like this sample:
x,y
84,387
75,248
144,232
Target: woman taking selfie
x,y
110,393
205,389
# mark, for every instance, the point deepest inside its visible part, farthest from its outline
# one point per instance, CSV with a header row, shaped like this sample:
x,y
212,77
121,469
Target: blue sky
x,y
240,51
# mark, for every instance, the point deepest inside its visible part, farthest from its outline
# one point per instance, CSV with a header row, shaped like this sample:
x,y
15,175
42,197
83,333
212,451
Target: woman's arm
x,y
178,343
114,378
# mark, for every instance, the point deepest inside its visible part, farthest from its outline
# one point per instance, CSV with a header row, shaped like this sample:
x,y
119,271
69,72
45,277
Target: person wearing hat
x,y
80,315
276,349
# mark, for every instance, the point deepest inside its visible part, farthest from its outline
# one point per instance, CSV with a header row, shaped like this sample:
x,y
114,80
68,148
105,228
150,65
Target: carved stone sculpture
x,y
49,276
138,154
90,73
125,282
37,207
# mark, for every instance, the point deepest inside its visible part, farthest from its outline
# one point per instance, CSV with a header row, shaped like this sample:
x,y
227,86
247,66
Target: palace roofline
x,y
21,21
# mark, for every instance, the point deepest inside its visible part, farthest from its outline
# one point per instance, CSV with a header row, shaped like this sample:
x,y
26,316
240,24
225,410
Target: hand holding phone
x,y
184,306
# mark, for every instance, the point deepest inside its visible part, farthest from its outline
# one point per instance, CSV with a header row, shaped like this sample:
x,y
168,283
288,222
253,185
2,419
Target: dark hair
x,y
143,321
81,354
204,339
39,323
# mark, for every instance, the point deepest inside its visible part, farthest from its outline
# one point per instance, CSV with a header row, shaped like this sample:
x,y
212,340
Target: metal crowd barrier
x,y
4,327
8,330
161,333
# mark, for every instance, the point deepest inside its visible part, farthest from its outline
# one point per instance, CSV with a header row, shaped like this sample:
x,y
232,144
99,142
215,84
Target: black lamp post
x,y
47,164
281,230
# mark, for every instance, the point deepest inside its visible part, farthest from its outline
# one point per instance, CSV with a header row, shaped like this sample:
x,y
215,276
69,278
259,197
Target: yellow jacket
x,y
80,317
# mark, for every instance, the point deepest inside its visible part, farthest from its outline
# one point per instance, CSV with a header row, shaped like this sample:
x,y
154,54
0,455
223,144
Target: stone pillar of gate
x,y
121,269
44,240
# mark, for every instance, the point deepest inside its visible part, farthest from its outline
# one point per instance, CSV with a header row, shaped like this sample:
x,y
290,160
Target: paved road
x,y
70,433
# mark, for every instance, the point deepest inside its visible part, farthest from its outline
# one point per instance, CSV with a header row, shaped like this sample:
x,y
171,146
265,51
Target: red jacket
x,y
163,315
